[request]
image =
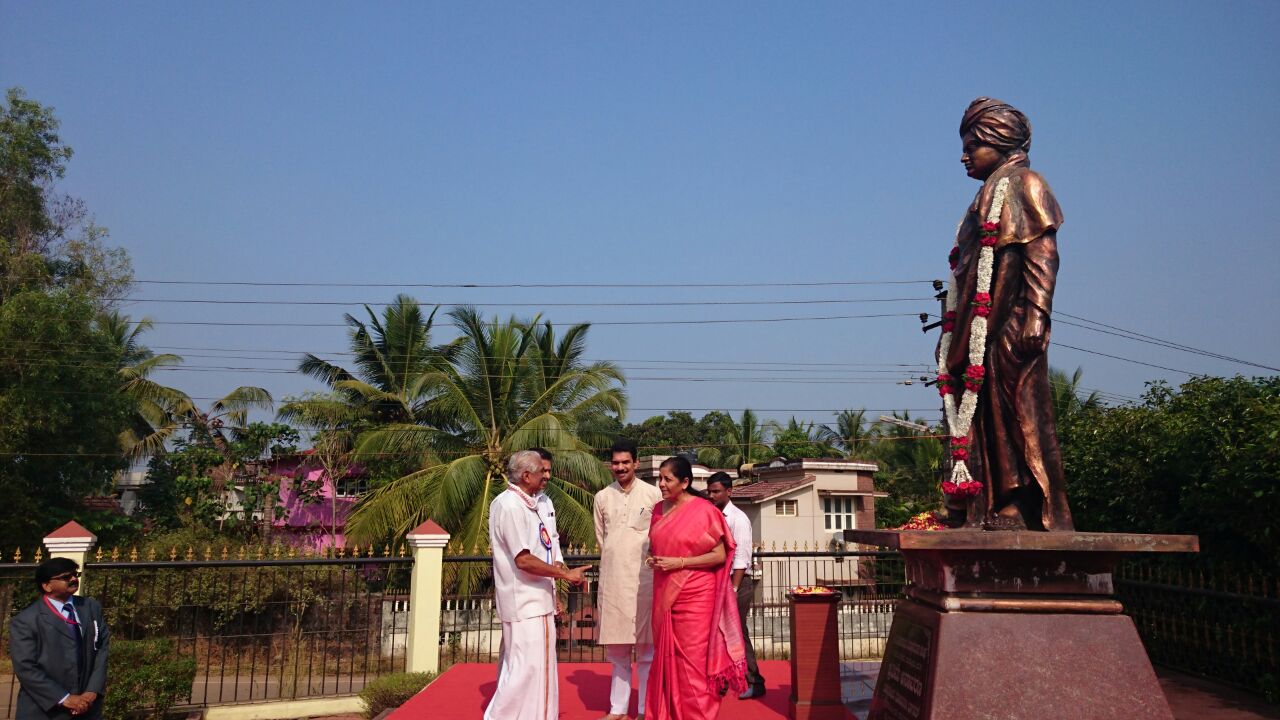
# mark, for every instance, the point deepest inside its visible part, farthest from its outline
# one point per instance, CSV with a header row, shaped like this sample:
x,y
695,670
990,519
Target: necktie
x,y
73,624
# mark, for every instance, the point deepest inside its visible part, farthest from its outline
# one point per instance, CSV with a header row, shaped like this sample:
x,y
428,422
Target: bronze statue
x,y
1007,470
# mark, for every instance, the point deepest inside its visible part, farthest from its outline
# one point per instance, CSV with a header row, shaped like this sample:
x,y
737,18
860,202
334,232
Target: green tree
x,y
59,394
188,484
60,412
335,425
48,239
799,439
158,409
489,402
736,443
1202,459
911,464
677,431
851,435
393,357
1066,393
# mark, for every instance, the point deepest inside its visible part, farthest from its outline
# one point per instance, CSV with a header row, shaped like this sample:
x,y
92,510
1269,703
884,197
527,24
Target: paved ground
x,y
1190,698
1193,698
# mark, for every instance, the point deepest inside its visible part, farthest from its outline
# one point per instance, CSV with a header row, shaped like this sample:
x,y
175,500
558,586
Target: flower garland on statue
x,y
960,418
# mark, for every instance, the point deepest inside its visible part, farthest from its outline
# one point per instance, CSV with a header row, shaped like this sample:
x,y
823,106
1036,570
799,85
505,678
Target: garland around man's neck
x,y
960,419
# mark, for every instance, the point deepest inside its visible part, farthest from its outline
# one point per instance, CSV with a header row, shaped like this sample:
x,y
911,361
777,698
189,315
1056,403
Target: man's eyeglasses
x,y
66,577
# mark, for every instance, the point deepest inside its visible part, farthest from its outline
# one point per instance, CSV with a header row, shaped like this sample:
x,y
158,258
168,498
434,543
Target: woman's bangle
x,y
681,563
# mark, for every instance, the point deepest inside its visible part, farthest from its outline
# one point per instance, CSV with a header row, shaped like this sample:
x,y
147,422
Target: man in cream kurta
x,y
523,537
625,591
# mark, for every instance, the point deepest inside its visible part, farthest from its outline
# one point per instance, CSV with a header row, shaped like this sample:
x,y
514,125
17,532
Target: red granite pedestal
x,y
1015,625
815,658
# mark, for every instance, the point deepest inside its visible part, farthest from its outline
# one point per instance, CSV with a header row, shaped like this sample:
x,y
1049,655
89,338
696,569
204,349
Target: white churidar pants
x,y
528,688
620,686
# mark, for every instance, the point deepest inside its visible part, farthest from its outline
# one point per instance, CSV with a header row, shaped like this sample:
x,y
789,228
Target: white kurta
x,y
626,584
527,684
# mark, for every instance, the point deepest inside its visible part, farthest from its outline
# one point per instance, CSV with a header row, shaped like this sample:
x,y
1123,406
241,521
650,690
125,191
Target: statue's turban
x,y
998,124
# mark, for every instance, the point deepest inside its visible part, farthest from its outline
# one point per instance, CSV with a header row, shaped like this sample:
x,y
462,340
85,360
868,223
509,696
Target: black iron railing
x,y
870,584
17,590
1218,624
259,630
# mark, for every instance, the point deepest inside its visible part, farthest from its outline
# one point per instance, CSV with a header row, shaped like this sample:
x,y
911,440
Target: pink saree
x,y
697,638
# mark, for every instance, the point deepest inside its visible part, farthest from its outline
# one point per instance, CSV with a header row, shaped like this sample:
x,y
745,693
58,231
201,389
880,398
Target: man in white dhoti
x,y
625,590
719,490
526,548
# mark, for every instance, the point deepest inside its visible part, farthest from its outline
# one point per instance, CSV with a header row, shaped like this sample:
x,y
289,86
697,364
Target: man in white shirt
x,y
526,550
719,490
625,592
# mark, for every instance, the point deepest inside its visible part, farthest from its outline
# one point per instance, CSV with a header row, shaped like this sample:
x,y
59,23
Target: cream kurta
x,y
626,584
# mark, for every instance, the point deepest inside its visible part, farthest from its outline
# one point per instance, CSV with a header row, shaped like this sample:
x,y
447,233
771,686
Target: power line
x,y
731,321
1139,337
674,303
611,286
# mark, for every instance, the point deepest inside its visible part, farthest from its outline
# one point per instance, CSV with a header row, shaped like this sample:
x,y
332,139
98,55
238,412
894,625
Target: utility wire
x,y
732,321
611,286
674,303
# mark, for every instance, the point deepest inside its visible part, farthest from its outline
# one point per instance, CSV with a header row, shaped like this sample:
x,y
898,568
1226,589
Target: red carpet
x,y
462,692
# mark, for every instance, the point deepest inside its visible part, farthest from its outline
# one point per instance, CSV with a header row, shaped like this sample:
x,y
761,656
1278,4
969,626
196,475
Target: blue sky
x,y
676,144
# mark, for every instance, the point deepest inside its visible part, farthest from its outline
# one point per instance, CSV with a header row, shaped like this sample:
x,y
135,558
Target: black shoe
x,y
754,691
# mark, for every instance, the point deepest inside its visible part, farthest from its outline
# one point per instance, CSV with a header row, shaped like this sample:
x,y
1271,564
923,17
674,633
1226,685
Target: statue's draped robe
x,y
1013,441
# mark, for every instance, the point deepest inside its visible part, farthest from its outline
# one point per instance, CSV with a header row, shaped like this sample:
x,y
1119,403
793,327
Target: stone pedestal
x,y
1015,625
815,658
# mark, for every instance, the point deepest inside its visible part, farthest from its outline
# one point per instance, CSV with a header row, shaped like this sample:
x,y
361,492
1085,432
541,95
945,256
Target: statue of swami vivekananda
x,y
993,371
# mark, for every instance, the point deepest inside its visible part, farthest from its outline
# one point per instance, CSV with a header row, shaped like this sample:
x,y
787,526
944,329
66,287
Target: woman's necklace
x,y
960,419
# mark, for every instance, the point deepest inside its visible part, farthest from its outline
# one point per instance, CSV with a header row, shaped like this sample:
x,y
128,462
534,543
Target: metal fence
x,y
870,582
1218,624
258,629
17,590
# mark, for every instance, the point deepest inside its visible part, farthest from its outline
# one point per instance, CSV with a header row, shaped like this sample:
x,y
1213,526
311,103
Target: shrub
x,y
146,675
392,691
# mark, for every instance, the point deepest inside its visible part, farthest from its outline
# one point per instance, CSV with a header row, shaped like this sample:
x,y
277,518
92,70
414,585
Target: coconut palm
x,y
741,442
798,439
335,425
391,355
158,408
554,362
850,434
1065,394
496,397
911,464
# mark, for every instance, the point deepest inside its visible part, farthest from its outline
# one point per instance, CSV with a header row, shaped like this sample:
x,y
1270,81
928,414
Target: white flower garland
x,y
960,419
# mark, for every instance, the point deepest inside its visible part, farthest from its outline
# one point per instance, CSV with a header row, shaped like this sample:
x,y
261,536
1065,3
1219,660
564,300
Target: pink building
x,y
313,512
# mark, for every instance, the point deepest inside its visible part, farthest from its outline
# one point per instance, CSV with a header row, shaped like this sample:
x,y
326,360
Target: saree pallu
x,y
698,650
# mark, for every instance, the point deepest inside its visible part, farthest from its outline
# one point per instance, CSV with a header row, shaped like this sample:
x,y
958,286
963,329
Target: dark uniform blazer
x,y
44,659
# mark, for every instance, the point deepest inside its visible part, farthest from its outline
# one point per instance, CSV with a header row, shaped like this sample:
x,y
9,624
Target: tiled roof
x,y
763,489
102,502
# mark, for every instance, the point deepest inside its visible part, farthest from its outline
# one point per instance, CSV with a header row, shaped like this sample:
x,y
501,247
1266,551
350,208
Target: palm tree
x,y
496,397
335,426
1065,394
163,411
911,463
156,406
392,355
798,439
556,362
850,435
742,442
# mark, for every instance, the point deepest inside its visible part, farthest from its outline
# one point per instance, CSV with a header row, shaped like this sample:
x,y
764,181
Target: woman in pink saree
x,y
698,650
